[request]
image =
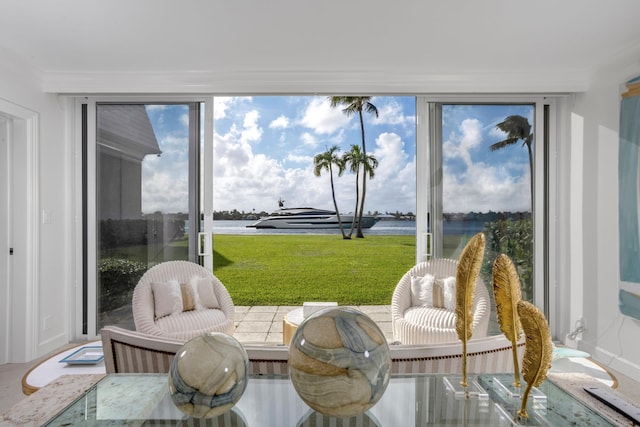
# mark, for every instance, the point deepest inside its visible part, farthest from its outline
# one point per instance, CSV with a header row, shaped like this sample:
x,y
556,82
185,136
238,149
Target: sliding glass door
x,y
479,175
148,205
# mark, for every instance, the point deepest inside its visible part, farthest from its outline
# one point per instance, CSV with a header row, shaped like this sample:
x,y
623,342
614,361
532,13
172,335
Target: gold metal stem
x,y
464,364
516,366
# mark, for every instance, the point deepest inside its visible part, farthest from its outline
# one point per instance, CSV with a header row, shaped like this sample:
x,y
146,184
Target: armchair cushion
x,y
198,320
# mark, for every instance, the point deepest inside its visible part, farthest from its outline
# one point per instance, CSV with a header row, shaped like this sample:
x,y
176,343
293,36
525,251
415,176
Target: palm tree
x,y
325,161
352,105
517,128
353,158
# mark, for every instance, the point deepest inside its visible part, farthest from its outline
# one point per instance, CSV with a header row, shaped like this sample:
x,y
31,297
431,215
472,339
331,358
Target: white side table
x,y
290,323
50,369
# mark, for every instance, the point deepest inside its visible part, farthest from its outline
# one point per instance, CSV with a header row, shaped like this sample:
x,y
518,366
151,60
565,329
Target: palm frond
x,y
369,107
515,126
501,144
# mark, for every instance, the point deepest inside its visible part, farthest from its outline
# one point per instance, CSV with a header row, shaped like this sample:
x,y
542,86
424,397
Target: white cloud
x,y
390,149
391,113
157,198
338,138
222,103
478,186
483,188
308,139
303,159
167,171
155,107
231,153
156,179
281,122
323,119
393,186
461,146
246,179
496,133
184,120
251,130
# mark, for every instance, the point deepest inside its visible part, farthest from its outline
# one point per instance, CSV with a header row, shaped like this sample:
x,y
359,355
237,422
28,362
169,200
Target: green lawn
x,y
291,269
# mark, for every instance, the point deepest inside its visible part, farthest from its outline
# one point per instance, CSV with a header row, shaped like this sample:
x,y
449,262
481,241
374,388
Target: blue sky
x,y
264,148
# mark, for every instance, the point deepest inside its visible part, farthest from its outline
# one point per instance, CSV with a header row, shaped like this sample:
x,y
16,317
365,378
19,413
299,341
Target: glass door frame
x,y
86,231
429,158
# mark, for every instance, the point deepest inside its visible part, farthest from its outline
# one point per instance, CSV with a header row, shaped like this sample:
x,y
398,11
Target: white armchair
x,y
426,324
182,324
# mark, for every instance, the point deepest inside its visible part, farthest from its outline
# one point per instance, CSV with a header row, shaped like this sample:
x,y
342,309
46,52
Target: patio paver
x,y
263,324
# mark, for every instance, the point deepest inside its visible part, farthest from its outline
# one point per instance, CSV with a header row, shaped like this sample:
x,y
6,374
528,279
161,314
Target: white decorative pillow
x,y
206,295
449,290
428,291
167,298
190,299
422,290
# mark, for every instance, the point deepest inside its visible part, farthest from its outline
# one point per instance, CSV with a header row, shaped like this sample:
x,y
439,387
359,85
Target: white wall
x,y
610,337
20,85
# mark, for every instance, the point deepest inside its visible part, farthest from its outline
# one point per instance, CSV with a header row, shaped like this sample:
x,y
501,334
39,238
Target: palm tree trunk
x,y
364,179
359,233
355,212
335,204
531,172
364,146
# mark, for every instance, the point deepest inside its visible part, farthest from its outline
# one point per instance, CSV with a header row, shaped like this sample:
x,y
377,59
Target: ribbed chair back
x,y
429,325
187,324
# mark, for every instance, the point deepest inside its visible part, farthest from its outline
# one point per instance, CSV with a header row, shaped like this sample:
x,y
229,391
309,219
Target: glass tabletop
x,y
271,400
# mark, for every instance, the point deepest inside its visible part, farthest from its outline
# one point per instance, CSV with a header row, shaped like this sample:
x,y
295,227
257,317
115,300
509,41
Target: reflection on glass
x,y
142,198
486,185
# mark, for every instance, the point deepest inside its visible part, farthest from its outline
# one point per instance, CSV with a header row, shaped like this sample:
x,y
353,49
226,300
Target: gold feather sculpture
x,y
538,351
506,289
467,273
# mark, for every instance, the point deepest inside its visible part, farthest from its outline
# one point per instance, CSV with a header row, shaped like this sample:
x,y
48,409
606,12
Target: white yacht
x,y
310,218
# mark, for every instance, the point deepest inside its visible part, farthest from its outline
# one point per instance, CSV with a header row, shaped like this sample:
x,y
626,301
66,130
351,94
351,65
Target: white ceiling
x,y
71,38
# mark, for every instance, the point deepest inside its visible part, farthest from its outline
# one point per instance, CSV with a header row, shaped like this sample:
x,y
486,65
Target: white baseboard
x,y
51,344
613,361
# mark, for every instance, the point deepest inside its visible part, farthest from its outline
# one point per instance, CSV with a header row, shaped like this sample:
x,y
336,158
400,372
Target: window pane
x,y
487,155
142,197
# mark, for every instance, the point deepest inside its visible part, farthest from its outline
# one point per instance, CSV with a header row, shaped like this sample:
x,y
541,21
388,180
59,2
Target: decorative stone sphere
x,y
208,375
339,362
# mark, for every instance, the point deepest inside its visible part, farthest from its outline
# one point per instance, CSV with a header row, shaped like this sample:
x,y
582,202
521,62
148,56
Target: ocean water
x,y
384,227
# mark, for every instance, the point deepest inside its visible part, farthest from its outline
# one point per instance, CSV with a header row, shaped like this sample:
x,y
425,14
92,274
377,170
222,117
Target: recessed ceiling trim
x,y
289,82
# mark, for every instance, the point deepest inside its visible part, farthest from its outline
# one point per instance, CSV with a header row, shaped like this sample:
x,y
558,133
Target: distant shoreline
x,y
388,226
